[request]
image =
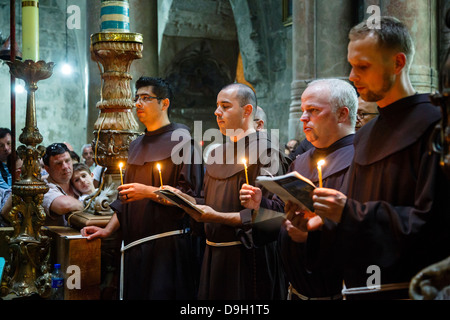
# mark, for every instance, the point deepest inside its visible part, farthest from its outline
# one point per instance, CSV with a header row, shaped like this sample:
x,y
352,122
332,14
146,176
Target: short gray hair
x,y
342,94
87,145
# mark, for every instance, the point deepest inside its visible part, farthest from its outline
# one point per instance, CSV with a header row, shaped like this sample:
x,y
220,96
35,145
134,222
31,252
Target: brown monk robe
x,y
164,268
242,271
397,212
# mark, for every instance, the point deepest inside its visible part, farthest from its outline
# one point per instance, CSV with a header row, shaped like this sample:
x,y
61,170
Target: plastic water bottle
x,y
57,283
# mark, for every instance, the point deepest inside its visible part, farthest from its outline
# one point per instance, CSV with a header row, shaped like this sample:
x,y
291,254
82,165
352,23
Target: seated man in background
x,y
61,197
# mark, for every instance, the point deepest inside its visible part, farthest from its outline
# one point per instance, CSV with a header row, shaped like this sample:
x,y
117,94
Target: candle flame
x,y
120,165
321,163
244,161
158,166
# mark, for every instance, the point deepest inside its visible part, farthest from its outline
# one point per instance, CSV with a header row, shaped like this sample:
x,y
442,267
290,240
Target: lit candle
x,y
160,176
121,176
319,169
30,30
245,167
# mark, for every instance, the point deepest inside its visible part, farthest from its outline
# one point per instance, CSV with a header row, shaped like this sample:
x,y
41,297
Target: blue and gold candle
x,y
115,16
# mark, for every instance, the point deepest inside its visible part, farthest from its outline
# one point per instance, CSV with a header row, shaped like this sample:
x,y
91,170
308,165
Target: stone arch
x,y
198,54
197,76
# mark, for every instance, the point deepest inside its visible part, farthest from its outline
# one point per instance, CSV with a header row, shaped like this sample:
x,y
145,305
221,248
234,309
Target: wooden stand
x,y
70,250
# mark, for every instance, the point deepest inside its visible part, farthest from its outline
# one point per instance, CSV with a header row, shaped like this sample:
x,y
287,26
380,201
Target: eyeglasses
x,y
145,99
362,115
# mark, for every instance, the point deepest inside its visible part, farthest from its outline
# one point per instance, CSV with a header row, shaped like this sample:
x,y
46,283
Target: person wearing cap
x,y
61,197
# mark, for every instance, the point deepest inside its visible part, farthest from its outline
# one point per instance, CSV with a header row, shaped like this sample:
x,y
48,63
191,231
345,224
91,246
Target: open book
x,y
176,199
291,186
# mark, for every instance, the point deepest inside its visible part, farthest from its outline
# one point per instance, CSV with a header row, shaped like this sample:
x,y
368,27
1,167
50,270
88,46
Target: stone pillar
x,y
144,20
94,77
421,19
303,59
319,41
444,31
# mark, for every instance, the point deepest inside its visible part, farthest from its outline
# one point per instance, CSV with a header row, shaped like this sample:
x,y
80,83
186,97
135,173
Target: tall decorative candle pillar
x,y
114,49
27,272
30,30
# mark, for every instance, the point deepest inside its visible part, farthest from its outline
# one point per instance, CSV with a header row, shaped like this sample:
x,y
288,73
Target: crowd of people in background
x,y
69,178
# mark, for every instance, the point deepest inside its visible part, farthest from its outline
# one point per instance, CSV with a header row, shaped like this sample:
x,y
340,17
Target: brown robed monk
x,y
234,267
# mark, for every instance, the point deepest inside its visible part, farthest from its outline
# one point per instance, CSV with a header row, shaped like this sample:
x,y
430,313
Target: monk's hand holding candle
x,y
136,191
250,196
329,203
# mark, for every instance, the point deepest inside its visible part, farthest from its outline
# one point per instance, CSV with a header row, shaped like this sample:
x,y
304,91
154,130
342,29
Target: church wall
x,y
61,109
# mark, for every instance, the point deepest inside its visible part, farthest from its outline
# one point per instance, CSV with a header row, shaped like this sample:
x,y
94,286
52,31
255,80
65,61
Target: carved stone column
x,y
303,59
420,18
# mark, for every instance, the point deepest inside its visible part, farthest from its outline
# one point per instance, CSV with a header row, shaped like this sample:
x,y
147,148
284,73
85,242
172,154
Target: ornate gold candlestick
x,y
27,272
116,125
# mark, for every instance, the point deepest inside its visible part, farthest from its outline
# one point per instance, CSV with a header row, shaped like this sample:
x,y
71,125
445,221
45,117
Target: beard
x,y
374,96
